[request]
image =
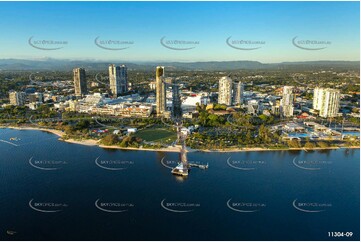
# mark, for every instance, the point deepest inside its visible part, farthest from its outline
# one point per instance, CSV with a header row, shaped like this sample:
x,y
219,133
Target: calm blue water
x,y
277,195
300,135
352,133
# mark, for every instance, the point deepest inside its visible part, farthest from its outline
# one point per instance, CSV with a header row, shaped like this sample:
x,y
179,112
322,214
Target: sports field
x,y
157,135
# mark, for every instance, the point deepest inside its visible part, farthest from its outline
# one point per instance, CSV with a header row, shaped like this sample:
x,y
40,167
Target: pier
x,y
182,169
199,166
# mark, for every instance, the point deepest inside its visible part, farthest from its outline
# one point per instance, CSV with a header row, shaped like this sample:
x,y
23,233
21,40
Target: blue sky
x,y
275,24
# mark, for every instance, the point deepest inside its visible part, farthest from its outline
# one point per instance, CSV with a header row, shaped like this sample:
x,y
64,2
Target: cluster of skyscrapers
x,y
326,101
161,95
232,93
118,80
229,92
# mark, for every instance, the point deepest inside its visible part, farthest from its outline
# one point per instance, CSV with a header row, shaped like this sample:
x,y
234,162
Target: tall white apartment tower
x,y
286,106
225,91
118,79
326,101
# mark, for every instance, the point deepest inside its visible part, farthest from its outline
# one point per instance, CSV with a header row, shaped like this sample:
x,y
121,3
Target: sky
x,y
279,31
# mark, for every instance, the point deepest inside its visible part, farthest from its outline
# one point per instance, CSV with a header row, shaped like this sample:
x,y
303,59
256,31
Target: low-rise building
x,y
254,107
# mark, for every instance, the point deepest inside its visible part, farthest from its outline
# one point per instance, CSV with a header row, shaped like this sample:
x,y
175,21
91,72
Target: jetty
x,y
183,167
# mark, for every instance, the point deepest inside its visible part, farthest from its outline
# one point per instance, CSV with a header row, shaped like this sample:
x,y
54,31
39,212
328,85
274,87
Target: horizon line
x,y
175,61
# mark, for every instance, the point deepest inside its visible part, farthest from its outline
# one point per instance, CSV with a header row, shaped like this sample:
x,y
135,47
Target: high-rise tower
x,y
327,101
160,90
118,79
238,90
176,102
287,102
225,91
80,84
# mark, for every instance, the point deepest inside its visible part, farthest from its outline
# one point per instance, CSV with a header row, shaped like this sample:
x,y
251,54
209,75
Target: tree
x,y
294,143
82,124
248,137
323,144
264,118
213,120
110,139
219,107
309,145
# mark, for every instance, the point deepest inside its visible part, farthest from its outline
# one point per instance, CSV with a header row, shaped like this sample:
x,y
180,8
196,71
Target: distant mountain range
x,y
66,65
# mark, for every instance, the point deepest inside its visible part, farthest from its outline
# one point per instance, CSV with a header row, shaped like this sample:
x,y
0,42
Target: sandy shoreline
x,y
169,149
280,149
90,142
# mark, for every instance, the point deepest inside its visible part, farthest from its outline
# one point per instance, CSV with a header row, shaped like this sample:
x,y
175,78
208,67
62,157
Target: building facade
x,y
17,98
225,91
161,102
275,108
254,107
238,90
286,107
80,84
326,101
36,97
176,102
118,79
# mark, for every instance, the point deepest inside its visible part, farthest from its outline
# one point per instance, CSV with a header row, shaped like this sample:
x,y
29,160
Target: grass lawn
x,y
157,135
